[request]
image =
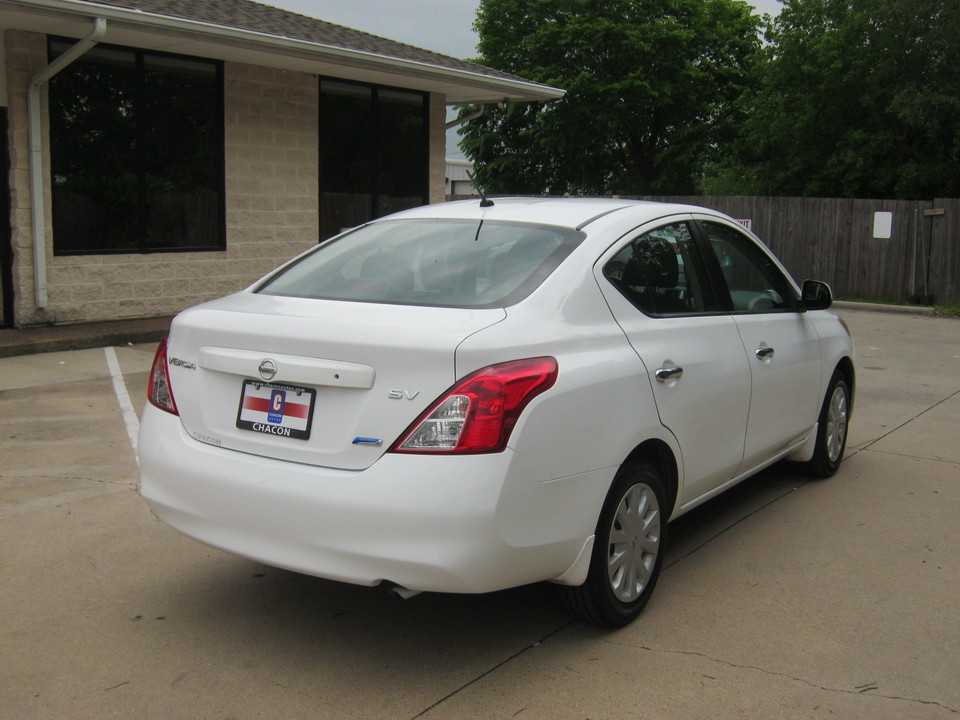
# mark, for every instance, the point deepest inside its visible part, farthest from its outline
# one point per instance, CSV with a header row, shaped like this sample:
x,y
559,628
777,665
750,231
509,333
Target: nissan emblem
x,y
268,369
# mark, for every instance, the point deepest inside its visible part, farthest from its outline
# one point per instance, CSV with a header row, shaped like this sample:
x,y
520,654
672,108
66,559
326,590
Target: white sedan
x,y
472,396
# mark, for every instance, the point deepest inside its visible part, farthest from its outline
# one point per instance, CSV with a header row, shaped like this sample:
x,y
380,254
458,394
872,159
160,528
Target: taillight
x,y
478,414
159,391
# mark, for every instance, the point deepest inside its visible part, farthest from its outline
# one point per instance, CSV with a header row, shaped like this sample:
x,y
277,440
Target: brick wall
x,y
271,203
25,56
438,148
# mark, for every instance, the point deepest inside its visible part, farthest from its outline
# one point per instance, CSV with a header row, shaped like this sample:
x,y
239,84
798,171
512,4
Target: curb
x,y
878,307
58,338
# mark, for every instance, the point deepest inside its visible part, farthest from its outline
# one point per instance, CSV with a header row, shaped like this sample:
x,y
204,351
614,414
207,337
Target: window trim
x,y
712,298
376,144
715,271
142,246
713,281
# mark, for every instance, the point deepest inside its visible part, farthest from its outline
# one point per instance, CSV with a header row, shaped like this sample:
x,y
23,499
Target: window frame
x,y
140,241
712,302
374,147
714,268
717,297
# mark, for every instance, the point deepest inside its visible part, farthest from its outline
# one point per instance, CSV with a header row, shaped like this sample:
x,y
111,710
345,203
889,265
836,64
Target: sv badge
x,y
401,394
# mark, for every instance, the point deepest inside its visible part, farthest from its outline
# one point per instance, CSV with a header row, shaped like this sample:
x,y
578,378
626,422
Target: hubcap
x,y
836,423
634,542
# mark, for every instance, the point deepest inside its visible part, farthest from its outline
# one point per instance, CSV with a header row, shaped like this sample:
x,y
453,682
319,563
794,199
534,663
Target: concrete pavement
x,y
783,598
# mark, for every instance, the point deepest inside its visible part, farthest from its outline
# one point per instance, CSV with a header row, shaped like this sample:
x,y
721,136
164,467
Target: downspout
x,y
38,210
474,115
465,119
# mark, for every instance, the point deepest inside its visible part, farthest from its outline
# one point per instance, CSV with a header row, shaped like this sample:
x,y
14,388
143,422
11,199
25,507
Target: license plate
x,y
276,409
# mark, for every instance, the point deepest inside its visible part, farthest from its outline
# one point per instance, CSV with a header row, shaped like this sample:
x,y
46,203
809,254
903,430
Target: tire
x,y
628,551
831,429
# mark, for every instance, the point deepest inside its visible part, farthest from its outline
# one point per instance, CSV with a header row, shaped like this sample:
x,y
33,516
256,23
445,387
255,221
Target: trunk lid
x,y
319,382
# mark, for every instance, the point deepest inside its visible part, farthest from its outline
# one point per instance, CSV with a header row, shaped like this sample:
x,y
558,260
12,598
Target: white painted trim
x,y
130,419
518,88
37,205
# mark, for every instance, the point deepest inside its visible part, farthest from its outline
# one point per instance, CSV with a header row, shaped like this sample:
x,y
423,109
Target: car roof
x,y
565,212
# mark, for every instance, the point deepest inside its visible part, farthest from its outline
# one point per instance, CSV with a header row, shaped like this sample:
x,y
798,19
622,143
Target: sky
x,y
444,26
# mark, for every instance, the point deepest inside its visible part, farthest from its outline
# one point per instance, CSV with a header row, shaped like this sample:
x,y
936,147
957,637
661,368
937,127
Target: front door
x,y
781,345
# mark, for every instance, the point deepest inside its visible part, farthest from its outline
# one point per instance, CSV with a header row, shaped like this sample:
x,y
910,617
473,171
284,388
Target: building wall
x,y
272,170
25,55
438,148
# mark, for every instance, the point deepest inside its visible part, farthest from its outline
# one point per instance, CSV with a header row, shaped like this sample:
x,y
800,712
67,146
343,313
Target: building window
x,y
136,152
374,154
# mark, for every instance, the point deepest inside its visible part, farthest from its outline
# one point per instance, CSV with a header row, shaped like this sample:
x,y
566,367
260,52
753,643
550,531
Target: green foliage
x,y
855,98
947,310
652,89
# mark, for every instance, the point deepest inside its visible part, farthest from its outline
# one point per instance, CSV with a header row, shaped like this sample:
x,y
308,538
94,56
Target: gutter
x,y
38,206
304,49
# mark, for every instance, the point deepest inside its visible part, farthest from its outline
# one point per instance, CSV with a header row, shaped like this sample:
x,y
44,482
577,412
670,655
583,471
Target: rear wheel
x,y
831,429
628,551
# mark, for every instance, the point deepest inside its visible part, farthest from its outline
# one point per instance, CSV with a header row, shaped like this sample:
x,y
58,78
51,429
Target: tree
x,y
651,90
855,98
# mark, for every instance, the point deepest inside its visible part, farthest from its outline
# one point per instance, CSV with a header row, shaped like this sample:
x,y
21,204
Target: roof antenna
x,y
485,202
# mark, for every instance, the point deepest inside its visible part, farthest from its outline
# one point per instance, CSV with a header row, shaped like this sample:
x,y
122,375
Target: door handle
x,y
668,373
764,352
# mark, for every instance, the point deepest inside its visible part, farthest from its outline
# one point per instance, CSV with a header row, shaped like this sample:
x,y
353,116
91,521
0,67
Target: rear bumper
x,y
450,524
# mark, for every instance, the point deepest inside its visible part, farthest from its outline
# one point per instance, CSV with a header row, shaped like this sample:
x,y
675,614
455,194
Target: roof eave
x,y
470,87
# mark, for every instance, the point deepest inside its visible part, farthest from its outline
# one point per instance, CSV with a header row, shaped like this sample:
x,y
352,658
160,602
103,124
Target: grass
x,y
947,310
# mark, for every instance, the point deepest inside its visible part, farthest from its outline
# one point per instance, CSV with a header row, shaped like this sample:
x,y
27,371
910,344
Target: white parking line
x,y
129,415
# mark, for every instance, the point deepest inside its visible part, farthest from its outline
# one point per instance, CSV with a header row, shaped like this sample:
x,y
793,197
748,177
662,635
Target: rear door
x,y
655,283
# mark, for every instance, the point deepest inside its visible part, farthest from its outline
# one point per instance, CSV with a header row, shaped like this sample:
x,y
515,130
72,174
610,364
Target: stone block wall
x,y
438,148
271,157
271,203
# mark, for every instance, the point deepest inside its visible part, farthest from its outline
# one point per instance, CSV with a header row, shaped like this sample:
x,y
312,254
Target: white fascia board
x,y
130,19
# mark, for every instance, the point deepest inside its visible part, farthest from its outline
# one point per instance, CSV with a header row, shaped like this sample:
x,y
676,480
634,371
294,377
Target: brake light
x,y
159,391
478,414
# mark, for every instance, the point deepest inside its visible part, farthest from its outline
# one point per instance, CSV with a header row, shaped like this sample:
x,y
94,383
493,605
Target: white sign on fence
x,y
883,225
748,223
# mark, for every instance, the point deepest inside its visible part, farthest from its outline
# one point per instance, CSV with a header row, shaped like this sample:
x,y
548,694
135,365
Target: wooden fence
x,y
833,240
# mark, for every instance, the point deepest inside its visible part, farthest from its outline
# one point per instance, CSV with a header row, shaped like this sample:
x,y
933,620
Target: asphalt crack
x,y
916,457
869,688
494,668
867,445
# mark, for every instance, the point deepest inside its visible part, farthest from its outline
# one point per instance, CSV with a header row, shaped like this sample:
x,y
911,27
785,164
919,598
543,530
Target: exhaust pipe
x,y
400,591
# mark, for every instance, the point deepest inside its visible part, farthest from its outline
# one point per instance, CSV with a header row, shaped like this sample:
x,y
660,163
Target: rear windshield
x,y
451,263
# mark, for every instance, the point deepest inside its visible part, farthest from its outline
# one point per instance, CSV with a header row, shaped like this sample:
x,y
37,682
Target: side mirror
x,y
816,295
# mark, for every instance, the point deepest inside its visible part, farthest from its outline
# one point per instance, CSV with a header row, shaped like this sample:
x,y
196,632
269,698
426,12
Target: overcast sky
x,y
445,26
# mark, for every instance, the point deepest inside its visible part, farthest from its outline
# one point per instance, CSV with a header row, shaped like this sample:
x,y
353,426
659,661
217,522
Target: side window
x,y
661,273
754,281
